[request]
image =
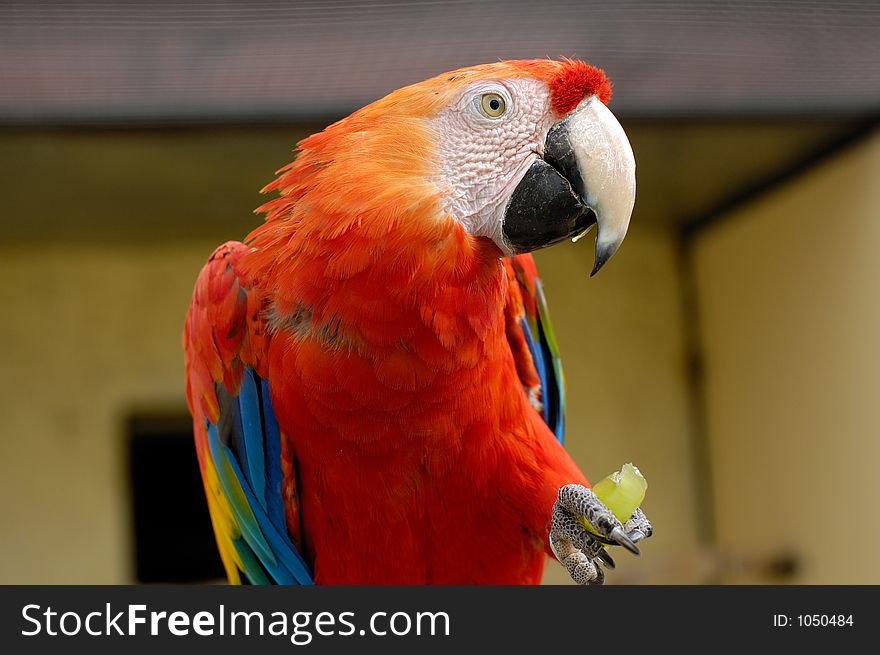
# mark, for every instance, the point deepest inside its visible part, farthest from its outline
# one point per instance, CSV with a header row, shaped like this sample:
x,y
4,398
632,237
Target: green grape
x,y
622,492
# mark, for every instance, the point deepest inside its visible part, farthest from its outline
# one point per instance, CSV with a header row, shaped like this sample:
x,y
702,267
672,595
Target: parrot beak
x,y
587,175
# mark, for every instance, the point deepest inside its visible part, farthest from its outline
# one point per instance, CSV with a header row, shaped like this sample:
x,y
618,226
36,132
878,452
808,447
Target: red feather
x,y
576,81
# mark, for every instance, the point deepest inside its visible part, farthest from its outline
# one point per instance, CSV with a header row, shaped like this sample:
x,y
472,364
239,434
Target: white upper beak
x,y
608,170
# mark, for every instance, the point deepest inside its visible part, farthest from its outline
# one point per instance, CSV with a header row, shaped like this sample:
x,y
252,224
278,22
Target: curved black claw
x,y
618,536
607,560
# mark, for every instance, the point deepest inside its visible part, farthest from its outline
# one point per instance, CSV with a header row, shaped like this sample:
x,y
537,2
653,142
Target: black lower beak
x,y
546,206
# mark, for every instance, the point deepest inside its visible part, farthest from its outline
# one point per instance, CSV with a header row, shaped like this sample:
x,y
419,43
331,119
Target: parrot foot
x,y
580,551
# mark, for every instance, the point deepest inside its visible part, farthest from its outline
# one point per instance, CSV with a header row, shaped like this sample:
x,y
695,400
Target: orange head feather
x,y
378,159
366,188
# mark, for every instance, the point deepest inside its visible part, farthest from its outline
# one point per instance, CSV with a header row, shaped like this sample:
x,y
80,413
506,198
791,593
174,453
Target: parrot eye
x,y
492,104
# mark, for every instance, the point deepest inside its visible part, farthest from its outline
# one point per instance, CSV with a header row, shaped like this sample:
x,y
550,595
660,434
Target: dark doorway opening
x,y
173,538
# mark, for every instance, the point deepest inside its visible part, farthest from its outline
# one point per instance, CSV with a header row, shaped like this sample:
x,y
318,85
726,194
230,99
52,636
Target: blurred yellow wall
x,y
790,307
621,337
92,333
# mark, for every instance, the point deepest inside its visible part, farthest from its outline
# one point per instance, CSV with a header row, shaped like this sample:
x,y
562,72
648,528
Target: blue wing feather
x,y
541,342
538,358
223,458
255,459
288,567
250,477
554,390
252,567
274,477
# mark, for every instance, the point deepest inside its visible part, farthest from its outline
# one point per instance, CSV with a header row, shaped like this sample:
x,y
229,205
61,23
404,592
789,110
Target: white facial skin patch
x,y
483,158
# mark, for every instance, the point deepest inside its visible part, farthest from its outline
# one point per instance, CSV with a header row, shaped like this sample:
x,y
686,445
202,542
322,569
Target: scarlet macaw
x,y
374,384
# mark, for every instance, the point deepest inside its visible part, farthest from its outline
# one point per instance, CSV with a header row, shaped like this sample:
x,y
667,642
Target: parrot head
x,y
523,153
